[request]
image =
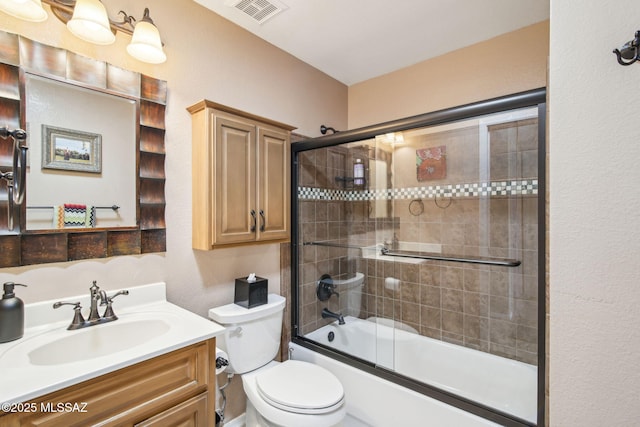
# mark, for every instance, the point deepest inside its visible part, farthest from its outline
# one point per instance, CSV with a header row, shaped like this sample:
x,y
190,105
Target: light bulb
x,y
90,22
146,45
27,10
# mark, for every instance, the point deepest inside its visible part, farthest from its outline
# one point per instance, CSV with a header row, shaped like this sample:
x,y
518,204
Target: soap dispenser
x,y
11,314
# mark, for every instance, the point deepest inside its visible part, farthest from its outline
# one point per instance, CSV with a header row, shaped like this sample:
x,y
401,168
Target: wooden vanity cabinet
x,y
240,176
176,388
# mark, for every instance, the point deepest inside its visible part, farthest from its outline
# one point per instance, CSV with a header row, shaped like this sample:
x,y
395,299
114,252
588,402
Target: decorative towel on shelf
x,y
58,216
74,215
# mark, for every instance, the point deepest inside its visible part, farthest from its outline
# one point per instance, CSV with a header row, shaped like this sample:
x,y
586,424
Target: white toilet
x,y
288,394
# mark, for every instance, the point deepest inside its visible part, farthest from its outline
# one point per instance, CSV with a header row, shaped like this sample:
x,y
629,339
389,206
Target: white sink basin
x,y
60,346
98,341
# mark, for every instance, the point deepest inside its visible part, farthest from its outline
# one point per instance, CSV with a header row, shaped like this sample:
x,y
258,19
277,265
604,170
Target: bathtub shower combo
x,y
418,256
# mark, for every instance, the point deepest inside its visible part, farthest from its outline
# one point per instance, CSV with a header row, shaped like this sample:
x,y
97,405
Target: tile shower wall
x,y
322,220
489,308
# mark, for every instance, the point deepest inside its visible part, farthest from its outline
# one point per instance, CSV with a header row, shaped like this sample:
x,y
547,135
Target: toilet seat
x,y
300,387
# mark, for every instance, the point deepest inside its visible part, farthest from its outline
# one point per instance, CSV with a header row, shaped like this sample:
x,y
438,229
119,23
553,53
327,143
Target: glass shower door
x,y
464,254
425,241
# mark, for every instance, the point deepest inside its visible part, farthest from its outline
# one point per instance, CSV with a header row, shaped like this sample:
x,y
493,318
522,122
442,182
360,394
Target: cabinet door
x,y
273,183
192,413
235,213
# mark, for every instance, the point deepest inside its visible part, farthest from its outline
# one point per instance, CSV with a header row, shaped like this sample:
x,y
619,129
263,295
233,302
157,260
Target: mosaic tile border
x,y
519,187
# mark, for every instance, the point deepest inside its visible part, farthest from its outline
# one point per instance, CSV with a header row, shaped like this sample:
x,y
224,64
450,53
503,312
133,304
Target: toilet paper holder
x,y
221,363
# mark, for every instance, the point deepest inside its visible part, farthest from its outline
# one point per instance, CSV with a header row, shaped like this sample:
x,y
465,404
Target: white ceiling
x,y
355,40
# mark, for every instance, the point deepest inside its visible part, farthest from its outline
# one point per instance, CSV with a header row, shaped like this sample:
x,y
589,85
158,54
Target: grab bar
x,y
332,245
470,260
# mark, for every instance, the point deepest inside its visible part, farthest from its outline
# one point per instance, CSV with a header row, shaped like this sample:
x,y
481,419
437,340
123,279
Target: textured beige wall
x,y
507,64
208,57
594,206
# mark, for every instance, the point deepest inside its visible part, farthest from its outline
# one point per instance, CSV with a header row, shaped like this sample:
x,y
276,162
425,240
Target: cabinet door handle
x,y
253,216
264,220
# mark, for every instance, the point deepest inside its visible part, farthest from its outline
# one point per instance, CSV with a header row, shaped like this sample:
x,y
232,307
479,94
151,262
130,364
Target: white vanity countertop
x,y
28,373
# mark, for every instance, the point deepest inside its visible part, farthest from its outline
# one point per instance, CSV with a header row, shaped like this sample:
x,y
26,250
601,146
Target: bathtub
x,y
507,385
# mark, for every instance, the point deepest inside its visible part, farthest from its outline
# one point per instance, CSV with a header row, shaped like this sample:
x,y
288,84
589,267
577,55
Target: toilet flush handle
x,y
236,331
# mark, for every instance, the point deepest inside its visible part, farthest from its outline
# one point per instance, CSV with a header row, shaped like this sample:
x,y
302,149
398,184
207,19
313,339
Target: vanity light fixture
x,y
89,21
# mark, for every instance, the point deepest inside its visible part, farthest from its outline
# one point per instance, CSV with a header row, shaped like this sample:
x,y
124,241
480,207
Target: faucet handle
x,y
110,299
76,305
108,312
325,288
78,321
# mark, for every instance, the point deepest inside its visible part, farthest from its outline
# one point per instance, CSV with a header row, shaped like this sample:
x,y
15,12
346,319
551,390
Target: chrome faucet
x,y
326,313
95,318
96,295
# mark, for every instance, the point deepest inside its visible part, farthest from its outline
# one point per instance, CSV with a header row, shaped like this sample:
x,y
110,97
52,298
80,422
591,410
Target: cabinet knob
x,y
264,220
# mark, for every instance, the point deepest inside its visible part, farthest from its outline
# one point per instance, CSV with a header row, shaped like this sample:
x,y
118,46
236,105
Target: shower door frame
x,y
532,98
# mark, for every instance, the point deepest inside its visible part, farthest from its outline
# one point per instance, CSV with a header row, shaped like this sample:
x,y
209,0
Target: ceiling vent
x,y
259,10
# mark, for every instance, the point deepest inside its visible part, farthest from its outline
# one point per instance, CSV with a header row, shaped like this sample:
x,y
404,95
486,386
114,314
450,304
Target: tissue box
x,y
251,294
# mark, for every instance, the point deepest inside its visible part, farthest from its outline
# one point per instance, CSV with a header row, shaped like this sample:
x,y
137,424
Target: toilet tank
x,y
252,335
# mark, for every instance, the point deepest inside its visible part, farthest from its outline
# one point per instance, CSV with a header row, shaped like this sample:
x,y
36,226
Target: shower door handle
x,y
263,220
254,219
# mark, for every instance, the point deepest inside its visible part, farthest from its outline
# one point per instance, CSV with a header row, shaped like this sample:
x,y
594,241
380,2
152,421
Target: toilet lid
x,y
300,387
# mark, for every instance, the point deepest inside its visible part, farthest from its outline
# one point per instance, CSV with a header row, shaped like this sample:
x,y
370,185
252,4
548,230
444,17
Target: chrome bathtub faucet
x,y
95,318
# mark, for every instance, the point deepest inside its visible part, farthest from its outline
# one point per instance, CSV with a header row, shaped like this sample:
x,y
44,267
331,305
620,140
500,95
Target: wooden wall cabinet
x,y
176,388
241,177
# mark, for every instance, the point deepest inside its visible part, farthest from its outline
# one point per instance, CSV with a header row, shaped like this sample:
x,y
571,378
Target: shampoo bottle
x,y
11,314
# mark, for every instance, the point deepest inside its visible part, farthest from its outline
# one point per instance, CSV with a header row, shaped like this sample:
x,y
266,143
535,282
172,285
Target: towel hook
x,y
629,51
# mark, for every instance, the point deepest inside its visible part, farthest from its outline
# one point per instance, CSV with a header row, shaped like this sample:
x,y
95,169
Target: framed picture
x,y
431,163
71,150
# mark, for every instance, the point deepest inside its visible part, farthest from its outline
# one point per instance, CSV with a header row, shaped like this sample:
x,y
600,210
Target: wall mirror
x,y
79,146
77,158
